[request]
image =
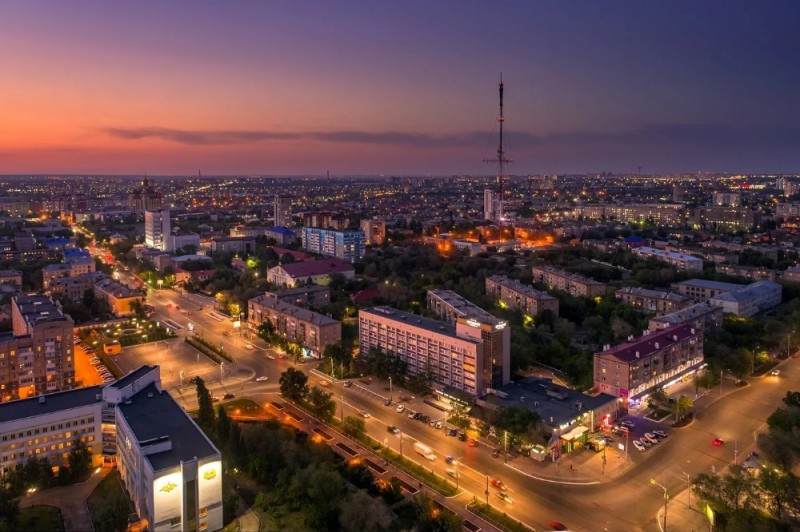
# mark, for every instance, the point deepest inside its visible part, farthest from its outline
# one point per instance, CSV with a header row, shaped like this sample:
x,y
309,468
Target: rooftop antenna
x,y
501,158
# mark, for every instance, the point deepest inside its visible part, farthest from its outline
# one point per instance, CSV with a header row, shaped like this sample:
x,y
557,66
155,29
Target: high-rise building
x,y
345,245
283,211
145,198
36,355
727,199
374,231
156,229
492,205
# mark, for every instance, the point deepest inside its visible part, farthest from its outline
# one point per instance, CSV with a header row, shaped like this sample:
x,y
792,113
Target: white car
x,y
775,372
270,357
261,378
639,446
365,415
248,346
400,408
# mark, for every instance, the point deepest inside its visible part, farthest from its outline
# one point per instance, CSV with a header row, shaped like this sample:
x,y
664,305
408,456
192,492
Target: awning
x,y
574,433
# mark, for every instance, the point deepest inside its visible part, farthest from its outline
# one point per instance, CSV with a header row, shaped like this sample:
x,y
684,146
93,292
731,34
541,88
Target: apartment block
x,y
12,277
637,367
666,214
121,300
518,296
36,355
453,357
727,218
374,231
479,324
314,296
313,332
345,245
282,207
658,301
576,285
754,273
71,267
700,315
318,271
679,260
233,244
156,228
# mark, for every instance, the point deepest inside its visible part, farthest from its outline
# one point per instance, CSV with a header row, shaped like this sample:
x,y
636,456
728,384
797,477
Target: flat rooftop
x,y
288,309
517,286
134,375
463,307
705,283
53,402
439,327
152,414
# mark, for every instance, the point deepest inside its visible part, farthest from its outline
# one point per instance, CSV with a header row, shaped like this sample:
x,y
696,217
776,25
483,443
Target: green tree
x,y
9,511
88,298
321,403
780,490
682,406
293,384
112,516
223,425
354,426
657,398
205,416
80,459
360,512
459,415
518,421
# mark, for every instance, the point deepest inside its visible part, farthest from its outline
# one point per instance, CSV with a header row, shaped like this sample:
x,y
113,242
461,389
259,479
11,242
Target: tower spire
x,y
501,160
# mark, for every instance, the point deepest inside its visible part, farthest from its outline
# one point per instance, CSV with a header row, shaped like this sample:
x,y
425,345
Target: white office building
x,y
492,205
157,229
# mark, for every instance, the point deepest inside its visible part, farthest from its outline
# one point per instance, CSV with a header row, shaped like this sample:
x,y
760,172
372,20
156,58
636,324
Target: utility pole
x,y
390,390
505,456
487,490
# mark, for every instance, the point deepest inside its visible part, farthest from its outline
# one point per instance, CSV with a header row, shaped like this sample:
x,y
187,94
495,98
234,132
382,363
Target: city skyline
x,y
355,88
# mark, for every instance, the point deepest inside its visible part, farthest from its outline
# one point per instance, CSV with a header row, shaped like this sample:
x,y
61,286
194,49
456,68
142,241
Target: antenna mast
x,y
501,158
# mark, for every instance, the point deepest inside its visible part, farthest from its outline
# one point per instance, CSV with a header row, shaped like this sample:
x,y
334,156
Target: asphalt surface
x,y
627,502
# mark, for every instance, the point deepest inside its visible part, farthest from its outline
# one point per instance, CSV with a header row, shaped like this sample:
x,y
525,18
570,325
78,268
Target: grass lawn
x,y
41,518
244,407
103,492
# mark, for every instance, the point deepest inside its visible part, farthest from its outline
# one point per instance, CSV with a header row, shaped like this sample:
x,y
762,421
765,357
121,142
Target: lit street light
x,y
666,499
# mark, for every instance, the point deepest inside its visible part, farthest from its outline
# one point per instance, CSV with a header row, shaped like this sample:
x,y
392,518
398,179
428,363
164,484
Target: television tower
x,y
501,158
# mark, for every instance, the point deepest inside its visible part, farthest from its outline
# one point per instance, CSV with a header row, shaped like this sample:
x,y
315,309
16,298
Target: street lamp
x,y
666,498
221,371
390,389
688,487
456,463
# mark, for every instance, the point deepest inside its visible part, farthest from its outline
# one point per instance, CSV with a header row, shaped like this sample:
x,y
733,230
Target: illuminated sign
x,y
500,326
210,474
473,323
169,486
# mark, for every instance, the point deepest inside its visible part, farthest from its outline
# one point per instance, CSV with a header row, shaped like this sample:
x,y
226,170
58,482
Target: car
x,y
439,424
432,423
496,453
451,473
660,433
348,384
425,419
606,439
271,357
387,402
624,430
639,446
452,432
248,346
717,442
448,459
417,415
228,396
626,423
652,437
400,409
645,442
615,428
503,495
214,399
462,436
225,333
555,525
262,378
393,429
281,356
496,483
363,414
472,443
775,372
411,414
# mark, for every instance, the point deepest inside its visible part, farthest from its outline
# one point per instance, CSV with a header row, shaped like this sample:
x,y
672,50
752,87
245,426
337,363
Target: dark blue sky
x,y
398,87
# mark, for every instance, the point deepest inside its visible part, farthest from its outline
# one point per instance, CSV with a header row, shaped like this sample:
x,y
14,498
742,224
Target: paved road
x,y
629,502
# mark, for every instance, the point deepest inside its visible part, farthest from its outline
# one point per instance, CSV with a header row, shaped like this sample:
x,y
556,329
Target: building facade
x,y
515,295
311,331
344,245
314,296
479,324
36,355
679,260
653,300
700,315
318,272
703,289
452,357
234,244
145,198
492,205
156,228
282,206
637,367
751,299
576,285
374,231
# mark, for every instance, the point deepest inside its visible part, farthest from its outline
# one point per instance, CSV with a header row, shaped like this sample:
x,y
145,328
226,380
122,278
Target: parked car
x,y
439,424
228,396
496,453
411,414
214,399
462,436
400,408
639,446
271,357
452,432
627,423
645,442
775,372
363,414
472,443
348,384
652,437
660,433
248,346
425,419
448,459
262,378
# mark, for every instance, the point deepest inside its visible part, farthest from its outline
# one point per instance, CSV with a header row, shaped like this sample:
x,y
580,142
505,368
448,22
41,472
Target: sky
x,y
398,88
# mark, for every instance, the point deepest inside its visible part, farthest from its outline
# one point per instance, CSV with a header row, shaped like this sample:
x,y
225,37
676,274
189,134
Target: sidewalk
x,y
71,500
680,516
